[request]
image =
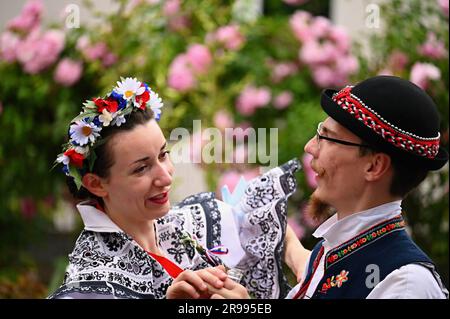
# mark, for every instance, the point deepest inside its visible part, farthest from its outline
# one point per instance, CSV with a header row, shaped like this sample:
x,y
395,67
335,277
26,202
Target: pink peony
x,y
433,48
199,58
180,75
252,98
230,37
223,120
37,52
283,100
29,19
9,43
68,72
421,73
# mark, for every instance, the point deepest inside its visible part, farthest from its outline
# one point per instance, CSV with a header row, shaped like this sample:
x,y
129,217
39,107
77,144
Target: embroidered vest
x,y
354,268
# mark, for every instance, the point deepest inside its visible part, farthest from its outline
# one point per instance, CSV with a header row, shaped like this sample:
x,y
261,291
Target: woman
x,y
134,244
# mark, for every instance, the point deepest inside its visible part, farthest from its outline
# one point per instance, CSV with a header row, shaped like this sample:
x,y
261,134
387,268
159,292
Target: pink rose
x,y
230,37
341,38
320,27
282,70
171,7
8,46
444,6
433,48
421,73
37,52
199,58
68,72
96,51
313,52
223,120
180,75
324,76
29,18
252,98
398,60
300,25
283,100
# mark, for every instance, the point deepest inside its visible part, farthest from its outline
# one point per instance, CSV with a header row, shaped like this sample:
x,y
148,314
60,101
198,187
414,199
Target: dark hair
x,y
405,178
104,158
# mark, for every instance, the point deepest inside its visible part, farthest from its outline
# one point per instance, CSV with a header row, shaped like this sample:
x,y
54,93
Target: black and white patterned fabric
x,y
107,263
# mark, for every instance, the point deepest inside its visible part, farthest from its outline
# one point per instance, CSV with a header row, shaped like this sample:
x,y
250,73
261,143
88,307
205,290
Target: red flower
x,y
142,99
75,158
109,104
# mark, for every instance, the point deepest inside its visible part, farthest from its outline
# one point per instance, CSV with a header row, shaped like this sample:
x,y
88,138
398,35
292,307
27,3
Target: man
x,y
379,142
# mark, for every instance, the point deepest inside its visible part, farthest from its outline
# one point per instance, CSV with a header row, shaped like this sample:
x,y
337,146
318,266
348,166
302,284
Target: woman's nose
x,y
163,176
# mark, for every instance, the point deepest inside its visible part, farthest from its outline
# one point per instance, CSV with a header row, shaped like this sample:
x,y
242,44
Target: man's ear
x,y
378,165
94,184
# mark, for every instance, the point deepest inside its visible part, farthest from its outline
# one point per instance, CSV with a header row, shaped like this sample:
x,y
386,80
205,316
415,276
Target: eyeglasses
x,y
321,137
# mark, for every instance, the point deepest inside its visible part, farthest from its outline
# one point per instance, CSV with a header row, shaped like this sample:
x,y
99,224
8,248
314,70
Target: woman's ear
x,y
378,166
93,183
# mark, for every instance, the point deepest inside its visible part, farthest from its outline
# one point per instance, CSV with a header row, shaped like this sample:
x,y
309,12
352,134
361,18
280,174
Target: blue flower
x,y
119,98
65,169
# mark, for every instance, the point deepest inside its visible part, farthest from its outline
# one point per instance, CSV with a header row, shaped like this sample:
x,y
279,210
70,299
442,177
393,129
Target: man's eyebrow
x,y
328,131
164,146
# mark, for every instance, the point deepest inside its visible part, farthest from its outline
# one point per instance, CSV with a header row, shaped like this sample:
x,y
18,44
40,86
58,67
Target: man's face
x,y
338,167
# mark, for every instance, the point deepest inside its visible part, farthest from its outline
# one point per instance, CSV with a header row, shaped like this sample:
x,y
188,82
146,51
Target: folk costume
x,y
369,254
245,232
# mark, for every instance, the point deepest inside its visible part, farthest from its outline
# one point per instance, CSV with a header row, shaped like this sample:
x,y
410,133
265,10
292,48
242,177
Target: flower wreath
x,y
84,133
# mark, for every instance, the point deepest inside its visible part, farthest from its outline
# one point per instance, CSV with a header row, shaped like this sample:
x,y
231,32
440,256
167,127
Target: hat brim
x,y
366,134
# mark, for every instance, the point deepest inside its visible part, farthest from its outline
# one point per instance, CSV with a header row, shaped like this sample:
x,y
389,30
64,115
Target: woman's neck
x,y
143,232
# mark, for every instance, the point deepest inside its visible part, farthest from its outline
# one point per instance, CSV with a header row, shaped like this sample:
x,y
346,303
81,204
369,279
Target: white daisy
x,y
106,117
155,103
63,159
119,120
81,132
82,150
129,87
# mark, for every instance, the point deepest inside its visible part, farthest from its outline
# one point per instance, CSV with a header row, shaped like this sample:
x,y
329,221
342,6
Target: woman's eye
x,y
164,154
140,169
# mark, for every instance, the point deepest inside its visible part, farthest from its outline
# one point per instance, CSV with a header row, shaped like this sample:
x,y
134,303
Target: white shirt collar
x,y
336,232
96,220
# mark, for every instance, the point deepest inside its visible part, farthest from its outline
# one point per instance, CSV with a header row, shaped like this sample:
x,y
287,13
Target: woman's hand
x,y
197,284
230,290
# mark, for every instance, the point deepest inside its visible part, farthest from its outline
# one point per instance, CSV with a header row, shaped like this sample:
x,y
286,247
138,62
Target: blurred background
x,y
236,64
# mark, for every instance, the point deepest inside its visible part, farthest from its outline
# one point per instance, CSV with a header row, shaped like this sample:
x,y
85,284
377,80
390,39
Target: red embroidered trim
x,y
363,239
304,287
424,147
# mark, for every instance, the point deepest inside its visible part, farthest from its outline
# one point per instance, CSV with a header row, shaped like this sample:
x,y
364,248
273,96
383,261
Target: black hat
x,y
392,114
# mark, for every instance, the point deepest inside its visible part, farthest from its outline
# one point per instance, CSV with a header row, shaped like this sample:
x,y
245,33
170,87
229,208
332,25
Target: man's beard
x,y
317,210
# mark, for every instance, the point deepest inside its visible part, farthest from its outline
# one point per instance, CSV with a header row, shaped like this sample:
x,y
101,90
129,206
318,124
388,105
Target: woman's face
x,y
140,178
